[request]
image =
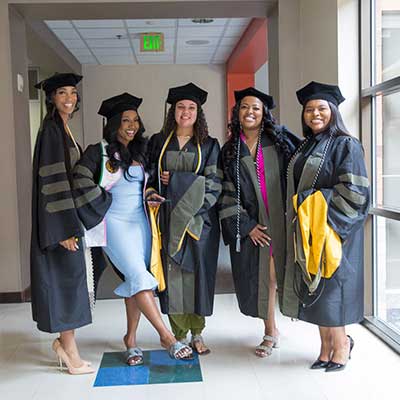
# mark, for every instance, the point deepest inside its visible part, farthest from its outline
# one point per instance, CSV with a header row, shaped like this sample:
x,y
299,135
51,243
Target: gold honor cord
x,y
72,138
164,148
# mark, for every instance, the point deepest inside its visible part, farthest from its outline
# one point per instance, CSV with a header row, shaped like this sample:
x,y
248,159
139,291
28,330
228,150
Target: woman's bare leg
x,y
132,320
340,344
270,327
326,343
147,305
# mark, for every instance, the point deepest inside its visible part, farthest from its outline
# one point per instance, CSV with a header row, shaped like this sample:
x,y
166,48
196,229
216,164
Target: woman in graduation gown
x,y
109,183
183,160
60,300
252,207
327,204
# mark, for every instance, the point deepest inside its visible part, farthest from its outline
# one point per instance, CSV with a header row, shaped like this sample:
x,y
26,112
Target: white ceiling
x,y
97,42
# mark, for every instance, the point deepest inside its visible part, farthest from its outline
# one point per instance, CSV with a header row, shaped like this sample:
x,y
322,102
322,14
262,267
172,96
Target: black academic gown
x,y
250,266
344,184
188,222
60,298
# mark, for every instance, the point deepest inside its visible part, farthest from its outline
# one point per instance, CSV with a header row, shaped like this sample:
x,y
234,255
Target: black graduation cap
x,y
187,92
118,104
320,91
250,91
58,80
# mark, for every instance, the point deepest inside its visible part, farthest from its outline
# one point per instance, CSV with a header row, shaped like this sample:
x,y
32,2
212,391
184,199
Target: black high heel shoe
x,y
334,366
319,364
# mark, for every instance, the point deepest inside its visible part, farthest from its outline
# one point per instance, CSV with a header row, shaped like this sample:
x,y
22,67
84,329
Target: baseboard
x,y
16,297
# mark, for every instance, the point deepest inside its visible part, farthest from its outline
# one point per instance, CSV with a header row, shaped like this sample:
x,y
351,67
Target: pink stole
x,y
263,185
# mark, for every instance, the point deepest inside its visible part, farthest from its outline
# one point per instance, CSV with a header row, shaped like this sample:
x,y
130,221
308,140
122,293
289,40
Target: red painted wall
x,y
250,53
235,82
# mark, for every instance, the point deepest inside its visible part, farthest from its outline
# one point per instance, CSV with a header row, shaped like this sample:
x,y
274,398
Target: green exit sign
x,y
150,42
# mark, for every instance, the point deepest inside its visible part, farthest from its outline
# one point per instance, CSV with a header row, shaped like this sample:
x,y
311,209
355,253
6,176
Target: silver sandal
x,y
267,350
132,352
176,347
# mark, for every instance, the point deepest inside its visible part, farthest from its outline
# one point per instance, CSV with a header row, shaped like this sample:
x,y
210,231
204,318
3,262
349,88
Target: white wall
x,y
261,78
151,82
10,262
348,67
318,40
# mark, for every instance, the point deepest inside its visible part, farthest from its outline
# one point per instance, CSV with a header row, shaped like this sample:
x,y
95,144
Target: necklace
x,y
253,147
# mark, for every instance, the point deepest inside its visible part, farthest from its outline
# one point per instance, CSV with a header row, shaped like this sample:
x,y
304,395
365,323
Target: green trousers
x,y
181,324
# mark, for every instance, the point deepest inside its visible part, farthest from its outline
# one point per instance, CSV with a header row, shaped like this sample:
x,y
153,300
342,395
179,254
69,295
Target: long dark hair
x,y
270,129
200,127
336,125
135,151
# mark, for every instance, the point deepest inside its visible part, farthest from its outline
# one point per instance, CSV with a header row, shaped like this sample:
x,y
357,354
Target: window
x,y
380,35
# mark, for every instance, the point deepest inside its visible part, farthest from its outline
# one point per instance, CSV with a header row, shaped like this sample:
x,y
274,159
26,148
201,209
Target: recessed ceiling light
x,y
202,20
197,42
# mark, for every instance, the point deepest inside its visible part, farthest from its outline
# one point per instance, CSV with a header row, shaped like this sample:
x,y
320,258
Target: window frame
x,y
369,91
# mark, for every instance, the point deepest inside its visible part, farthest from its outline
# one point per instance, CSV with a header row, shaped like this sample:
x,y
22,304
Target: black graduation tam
x,y
320,91
118,104
250,91
187,92
58,80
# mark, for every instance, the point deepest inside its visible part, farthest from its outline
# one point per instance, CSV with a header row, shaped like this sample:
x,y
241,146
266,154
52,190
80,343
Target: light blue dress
x,y
129,235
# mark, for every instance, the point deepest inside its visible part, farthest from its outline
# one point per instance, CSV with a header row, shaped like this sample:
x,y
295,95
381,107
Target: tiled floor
x,y
28,366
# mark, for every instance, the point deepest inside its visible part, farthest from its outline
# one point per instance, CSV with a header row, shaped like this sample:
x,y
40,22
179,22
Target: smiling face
x,y
185,113
251,113
317,115
65,99
129,126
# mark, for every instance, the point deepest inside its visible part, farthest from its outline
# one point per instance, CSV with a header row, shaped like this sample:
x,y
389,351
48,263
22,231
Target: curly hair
x,y
200,127
135,151
270,129
336,125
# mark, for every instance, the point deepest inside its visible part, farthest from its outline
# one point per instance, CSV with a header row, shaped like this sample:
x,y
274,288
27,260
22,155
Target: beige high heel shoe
x,y
63,358
85,361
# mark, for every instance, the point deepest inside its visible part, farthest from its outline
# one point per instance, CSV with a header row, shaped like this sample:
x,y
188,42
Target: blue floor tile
x,y
158,367
117,376
161,357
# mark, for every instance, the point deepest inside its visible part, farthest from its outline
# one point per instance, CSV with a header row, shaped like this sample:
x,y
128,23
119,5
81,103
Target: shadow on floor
x,y
109,280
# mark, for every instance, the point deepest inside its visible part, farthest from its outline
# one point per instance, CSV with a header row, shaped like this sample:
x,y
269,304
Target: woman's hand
x,y
259,237
70,244
164,177
154,200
